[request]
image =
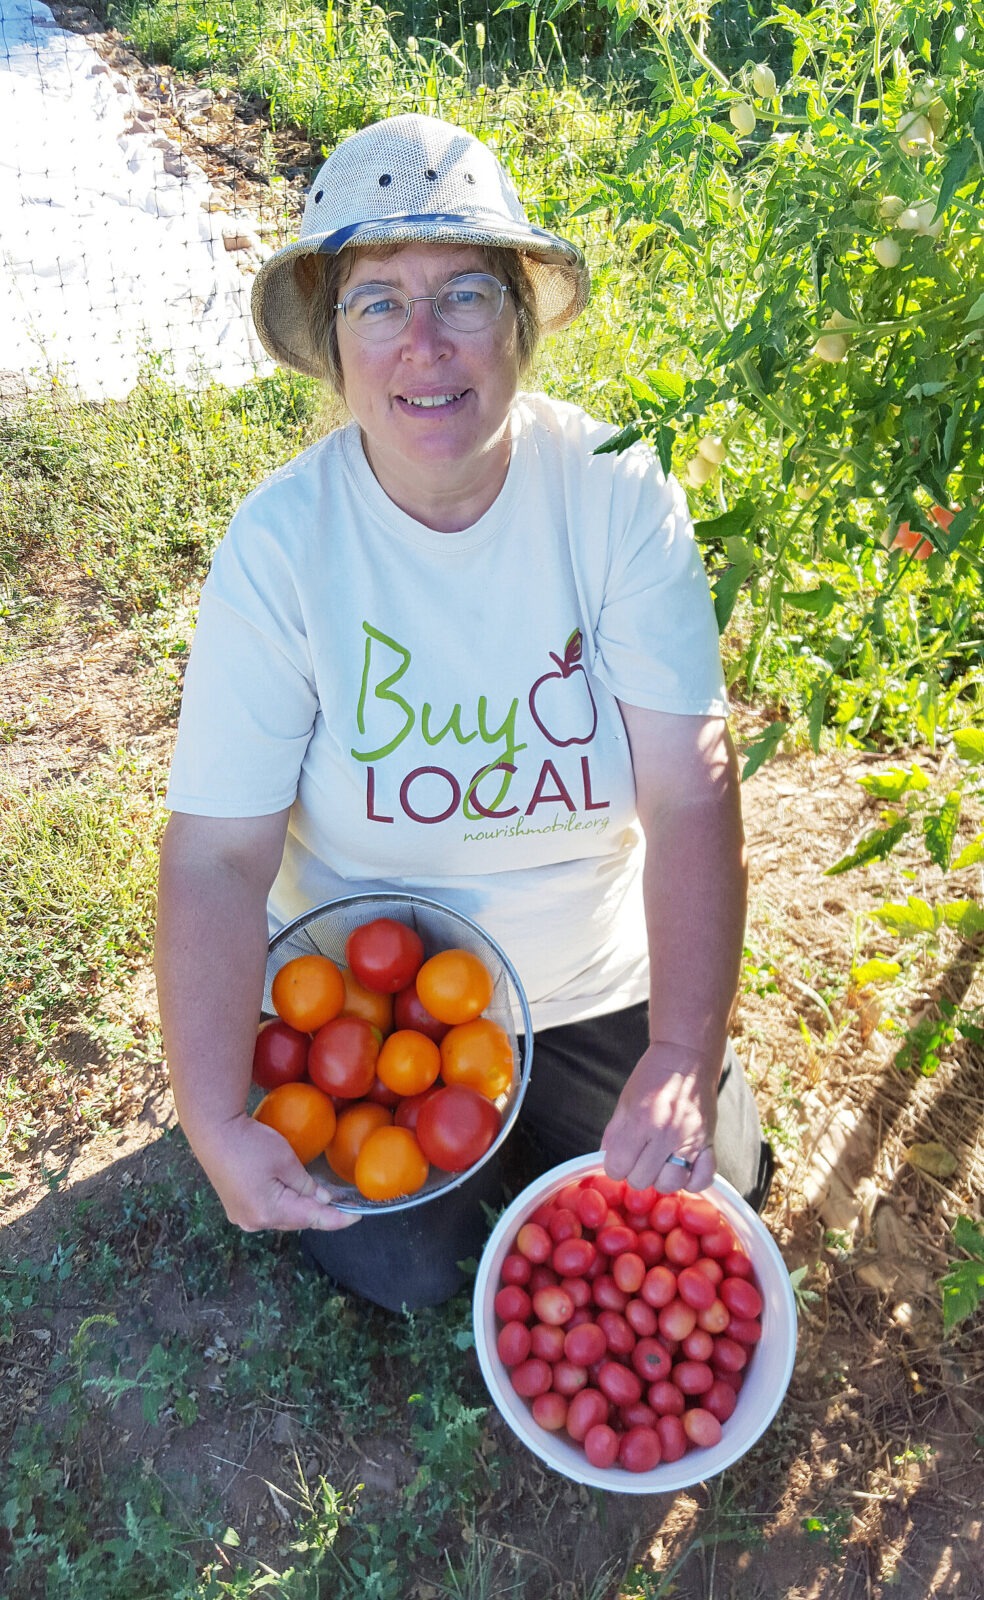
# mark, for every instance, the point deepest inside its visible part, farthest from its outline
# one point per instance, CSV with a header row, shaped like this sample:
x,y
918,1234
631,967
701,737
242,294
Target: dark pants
x,y
410,1258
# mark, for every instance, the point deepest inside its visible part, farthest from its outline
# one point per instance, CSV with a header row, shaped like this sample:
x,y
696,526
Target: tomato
x,y
410,1012
531,1377
695,1288
456,1127
606,1293
343,1055
563,1224
455,986
650,1360
912,542
568,1377
384,954
619,1336
307,992
513,1343
673,1440
729,1355
480,1055
408,1109
677,1320
370,1004
591,1207
547,1341
353,1126
553,1305
601,1445
383,1096
588,1407
665,1398
628,1270
614,1239
641,1318
585,1344
681,1247
640,1450
302,1114
390,1165
692,1377
279,1055
512,1303
549,1410
408,1062
701,1427
741,1297
572,1257
720,1400
516,1268
659,1286
619,1384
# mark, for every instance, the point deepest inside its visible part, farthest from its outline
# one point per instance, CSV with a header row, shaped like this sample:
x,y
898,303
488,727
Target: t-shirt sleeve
x,y
656,638
249,704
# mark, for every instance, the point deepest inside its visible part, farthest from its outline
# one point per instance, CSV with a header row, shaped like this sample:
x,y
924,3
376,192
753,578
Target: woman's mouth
x,y
430,402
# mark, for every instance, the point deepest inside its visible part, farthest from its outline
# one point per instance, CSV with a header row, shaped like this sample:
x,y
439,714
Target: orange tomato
x,y
454,986
390,1165
303,1114
366,1003
308,992
353,1128
409,1062
911,541
479,1055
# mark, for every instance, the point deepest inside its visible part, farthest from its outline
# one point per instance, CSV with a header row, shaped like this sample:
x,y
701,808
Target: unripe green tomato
x,y
712,448
699,469
937,113
764,81
742,119
887,252
915,133
831,347
890,207
919,219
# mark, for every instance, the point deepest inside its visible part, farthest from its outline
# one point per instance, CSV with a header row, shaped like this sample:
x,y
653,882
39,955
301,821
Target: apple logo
x,y
563,699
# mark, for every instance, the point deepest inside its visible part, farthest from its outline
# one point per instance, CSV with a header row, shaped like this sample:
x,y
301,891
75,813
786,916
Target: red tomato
x,y
628,1270
745,1330
677,1320
613,1240
409,1011
534,1242
911,540
618,1333
601,1445
697,1213
682,1247
563,1224
665,1213
572,1257
280,1054
408,1108
591,1206
384,954
342,1058
729,1355
549,1410
741,1297
531,1377
621,1386
588,1407
512,1304
640,1450
553,1304
672,1438
720,1400
516,1268
665,1398
547,1342
585,1344
513,1343
641,1318
456,1127
695,1288
650,1360
692,1377
606,1293
568,1377
701,1427
659,1286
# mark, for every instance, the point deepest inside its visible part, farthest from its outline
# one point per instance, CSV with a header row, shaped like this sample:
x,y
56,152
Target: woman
x,y
451,649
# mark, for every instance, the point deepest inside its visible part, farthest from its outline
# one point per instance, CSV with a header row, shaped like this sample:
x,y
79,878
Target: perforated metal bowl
x,y
324,931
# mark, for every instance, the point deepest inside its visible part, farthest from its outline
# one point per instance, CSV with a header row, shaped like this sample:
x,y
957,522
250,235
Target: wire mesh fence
x,y
153,153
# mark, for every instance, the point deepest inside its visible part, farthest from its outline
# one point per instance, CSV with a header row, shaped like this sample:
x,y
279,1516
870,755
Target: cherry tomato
x,y
547,1341
692,1377
601,1445
409,1011
640,1450
585,1344
455,986
553,1305
307,992
390,1165
650,1360
512,1303
701,1427
456,1127
665,1398
342,1058
619,1335
531,1377
280,1054
353,1126
673,1440
383,1096
619,1384
720,1400
370,1004
572,1257
591,1207
384,954
549,1410
303,1114
480,1055
588,1407
741,1297
513,1343
408,1062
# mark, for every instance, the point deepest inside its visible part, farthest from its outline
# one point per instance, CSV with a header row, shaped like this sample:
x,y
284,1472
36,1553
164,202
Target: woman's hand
x,y
667,1108
261,1183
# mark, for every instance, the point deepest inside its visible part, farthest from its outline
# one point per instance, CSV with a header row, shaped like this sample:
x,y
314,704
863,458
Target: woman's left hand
x,y
668,1108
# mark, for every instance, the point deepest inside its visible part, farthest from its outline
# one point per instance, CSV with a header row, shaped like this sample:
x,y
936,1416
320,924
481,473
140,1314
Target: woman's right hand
x,y
261,1183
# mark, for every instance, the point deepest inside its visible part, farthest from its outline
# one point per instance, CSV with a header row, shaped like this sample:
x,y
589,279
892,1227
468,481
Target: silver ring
x,y
680,1161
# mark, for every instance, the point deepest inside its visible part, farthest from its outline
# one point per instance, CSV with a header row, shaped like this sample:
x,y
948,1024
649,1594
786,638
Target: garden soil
x,y
870,1483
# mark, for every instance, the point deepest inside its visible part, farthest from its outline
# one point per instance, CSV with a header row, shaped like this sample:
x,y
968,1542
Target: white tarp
x,y
105,254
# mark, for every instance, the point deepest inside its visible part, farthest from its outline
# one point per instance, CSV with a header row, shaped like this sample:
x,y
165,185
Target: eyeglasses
x,y
469,303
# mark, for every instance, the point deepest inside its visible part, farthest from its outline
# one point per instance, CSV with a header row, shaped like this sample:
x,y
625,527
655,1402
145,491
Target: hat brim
x,y
556,269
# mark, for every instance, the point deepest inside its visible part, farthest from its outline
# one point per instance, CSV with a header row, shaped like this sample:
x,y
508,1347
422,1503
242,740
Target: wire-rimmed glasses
x,y
467,303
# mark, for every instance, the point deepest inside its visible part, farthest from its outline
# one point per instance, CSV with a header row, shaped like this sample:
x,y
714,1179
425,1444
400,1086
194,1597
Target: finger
x,y
623,1144
673,1176
311,1205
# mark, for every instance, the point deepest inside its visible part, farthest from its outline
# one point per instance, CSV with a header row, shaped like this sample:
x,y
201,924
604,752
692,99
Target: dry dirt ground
x,y
870,1481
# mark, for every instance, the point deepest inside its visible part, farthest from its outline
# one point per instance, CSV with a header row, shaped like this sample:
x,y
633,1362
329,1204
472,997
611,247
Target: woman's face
x,y
432,402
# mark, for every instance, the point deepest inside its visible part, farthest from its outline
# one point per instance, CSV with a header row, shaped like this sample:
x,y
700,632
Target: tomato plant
x,y
384,954
279,1055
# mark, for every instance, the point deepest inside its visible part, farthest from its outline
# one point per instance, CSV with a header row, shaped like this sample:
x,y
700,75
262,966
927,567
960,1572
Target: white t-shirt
x,y
438,711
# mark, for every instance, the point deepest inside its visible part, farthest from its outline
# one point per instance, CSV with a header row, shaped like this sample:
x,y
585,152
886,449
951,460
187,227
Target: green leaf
x,y
733,521
892,785
960,158
820,601
962,1289
877,970
976,311
940,830
968,1236
621,441
916,916
965,917
873,847
970,854
815,713
762,749
969,744
726,587
666,385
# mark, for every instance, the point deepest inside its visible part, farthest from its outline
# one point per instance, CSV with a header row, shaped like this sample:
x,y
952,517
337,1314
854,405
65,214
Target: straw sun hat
x,y
405,180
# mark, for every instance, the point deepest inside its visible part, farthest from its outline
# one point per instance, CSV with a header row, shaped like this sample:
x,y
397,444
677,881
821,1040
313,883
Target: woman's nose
x,y
425,332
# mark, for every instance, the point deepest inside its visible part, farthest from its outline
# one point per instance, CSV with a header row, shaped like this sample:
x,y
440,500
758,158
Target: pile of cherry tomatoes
x,y
387,1065
627,1318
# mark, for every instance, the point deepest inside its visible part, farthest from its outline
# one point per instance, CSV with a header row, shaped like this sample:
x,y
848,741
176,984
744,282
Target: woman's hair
x,y
322,278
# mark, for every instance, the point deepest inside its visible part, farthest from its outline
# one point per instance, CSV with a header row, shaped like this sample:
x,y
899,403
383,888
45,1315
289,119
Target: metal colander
x,y
324,931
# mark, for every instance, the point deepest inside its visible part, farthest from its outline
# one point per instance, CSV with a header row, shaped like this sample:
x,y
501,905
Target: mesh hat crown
x,y
411,179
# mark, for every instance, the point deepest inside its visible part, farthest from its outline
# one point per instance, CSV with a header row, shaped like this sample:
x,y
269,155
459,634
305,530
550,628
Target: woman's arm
x,y
695,888
210,962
